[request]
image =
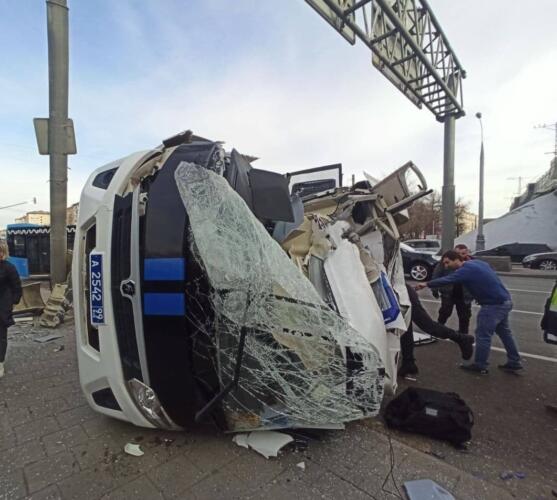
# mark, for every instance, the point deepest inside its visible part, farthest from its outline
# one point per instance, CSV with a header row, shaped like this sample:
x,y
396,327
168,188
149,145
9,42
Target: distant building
x,y
469,222
71,214
42,217
39,217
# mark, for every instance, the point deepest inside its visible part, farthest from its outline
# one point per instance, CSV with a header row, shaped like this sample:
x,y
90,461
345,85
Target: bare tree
x,y
425,217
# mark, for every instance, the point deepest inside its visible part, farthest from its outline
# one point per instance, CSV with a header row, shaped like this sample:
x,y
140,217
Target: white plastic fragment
x,y
241,440
301,465
133,449
266,443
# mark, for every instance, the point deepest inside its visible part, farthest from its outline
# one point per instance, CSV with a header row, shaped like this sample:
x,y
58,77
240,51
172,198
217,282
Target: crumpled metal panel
x,y
303,364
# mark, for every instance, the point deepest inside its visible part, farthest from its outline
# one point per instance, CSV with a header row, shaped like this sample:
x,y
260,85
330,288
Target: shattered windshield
x,y
303,365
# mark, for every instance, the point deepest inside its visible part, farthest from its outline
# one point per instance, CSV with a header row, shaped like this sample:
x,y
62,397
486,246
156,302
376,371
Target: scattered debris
x,y
59,348
436,454
301,465
519,475
507,474
59,302
266,443
47,338
134,450
426,488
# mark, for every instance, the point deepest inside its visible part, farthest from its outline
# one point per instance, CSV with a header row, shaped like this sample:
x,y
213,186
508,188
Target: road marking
x,y
520,311
528,291
527,355
500,349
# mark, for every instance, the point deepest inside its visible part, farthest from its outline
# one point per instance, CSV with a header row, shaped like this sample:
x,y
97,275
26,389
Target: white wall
x,y
533,222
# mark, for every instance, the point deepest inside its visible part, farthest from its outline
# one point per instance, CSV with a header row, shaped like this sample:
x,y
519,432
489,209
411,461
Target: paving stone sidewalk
x,y
52,445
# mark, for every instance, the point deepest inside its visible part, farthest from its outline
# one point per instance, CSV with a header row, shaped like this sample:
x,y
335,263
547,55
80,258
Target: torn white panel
x,y
256,288
351,289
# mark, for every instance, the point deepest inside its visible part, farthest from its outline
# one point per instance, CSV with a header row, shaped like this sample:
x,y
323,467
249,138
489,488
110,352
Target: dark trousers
x,y
3,342
425,323
463,311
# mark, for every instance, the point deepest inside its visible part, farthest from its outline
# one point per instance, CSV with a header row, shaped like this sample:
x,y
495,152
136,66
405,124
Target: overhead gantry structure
x,y
409,47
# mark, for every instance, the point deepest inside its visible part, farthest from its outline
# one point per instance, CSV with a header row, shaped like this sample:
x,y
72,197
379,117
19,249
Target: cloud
x,y
282,85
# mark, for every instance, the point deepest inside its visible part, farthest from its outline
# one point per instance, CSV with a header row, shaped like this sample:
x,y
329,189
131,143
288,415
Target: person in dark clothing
x,y
454,296
423,320
496,304
549,318
10,294
549,328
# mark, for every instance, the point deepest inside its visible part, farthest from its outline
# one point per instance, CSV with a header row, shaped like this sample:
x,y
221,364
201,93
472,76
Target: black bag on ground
x,y
441,415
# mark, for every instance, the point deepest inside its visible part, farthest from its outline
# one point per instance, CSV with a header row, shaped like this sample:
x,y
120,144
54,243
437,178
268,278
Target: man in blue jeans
x,y
495,301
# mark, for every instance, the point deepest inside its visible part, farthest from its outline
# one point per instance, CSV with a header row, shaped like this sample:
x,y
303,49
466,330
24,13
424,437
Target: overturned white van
x,y
208,290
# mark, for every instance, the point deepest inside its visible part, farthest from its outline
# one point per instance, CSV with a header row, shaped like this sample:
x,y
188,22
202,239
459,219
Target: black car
x,y
516,251
419,265
546,261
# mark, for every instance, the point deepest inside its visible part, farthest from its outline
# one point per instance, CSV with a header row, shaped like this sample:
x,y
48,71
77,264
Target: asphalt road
x,y
513,430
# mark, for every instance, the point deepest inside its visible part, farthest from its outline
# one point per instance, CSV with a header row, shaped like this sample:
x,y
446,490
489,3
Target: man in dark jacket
x,y
454,296
423,321
10,294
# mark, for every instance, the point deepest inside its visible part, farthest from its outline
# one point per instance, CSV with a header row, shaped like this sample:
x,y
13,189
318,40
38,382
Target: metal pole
x,y
57,23
480,238
448,213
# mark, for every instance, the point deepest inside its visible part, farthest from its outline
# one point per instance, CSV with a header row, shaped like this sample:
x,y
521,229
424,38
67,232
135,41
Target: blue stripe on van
x,y
164,304
164,269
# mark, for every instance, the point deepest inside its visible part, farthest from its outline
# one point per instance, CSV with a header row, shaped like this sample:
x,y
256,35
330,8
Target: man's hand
x,y
420,286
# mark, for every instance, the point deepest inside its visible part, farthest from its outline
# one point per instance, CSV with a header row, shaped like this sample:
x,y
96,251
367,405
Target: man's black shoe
x,y
407,368
509,367
474,368
466,344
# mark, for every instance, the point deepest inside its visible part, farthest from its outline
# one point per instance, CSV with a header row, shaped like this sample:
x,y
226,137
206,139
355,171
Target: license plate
x,y
96,296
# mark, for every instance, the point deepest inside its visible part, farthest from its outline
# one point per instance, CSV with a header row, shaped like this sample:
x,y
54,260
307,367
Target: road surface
x,y
513,429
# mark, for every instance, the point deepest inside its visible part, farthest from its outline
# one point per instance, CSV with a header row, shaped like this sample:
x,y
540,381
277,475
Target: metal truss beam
x,y
408,46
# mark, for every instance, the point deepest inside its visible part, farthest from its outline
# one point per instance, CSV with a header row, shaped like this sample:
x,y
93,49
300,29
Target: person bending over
x,y
495,300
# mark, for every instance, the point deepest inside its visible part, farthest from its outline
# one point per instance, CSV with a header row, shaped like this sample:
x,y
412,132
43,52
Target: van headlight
x,y
150,406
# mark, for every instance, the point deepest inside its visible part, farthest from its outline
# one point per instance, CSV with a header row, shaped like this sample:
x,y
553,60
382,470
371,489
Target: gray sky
x,y
275,81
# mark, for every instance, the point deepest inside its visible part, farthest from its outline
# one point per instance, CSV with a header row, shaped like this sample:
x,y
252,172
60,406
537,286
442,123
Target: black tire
x,y
420,271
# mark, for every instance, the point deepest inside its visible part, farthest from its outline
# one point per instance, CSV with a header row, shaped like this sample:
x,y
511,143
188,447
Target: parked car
x,y
516,251
546,261
419,265
429,246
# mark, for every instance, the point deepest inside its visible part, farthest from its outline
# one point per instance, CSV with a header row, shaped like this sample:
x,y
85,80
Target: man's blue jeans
x,y
495,319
